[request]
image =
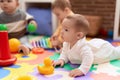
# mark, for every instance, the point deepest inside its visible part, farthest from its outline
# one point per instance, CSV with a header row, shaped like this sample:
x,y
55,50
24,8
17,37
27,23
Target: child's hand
x,y
59,62
24,49
32,26
33,22
75,73
54,37
55,42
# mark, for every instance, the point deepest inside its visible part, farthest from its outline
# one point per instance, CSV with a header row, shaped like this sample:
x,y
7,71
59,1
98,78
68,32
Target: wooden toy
x,y
43,42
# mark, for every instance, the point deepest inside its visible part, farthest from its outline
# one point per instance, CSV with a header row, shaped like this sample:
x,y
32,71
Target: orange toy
x,y
14,45
47,68
37,50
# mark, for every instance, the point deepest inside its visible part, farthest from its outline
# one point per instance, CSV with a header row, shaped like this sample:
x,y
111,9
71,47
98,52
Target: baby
x,y
78,50
15,19
61,8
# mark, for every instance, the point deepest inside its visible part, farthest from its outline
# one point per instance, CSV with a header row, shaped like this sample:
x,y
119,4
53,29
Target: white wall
x,y
116,35
0,10
33,1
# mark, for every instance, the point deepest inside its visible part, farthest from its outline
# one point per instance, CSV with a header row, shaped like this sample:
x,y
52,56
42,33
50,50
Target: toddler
x,y
15,19
61,8
78,50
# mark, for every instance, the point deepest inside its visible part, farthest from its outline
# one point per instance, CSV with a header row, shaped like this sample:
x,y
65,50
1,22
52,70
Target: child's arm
x,y
28,16
87,60
30,19
58,31
63,57
32,25
63,54
55,38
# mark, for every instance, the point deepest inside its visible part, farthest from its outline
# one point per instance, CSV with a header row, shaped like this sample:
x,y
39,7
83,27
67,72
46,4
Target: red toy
x,y
5,56
37,50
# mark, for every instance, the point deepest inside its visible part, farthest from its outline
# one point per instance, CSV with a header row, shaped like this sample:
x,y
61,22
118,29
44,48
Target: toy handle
x,y
31,27
3,27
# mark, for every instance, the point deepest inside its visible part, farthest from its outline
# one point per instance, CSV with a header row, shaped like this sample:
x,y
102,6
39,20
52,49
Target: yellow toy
x,y
47,68
24,78
14,45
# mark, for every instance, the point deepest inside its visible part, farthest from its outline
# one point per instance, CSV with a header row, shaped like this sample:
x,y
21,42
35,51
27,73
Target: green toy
x,y
31,27
3,27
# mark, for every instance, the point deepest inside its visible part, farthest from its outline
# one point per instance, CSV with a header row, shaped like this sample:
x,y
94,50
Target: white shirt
x,y
88,52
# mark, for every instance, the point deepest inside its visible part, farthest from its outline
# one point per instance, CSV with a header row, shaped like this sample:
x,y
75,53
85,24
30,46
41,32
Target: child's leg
x,y
107,53
116,53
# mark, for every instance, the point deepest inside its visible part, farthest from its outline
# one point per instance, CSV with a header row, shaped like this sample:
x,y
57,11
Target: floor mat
x,y
27,65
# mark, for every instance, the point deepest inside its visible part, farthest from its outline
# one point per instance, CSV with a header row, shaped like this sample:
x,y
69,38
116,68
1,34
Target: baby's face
x,y
9,6
68,32
61,14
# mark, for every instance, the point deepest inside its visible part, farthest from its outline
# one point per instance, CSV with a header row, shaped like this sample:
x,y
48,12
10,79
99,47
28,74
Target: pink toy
x,y
5,56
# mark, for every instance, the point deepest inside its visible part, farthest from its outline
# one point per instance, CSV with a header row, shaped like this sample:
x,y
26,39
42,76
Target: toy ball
x,y
3,27
25,77
14,45
31,27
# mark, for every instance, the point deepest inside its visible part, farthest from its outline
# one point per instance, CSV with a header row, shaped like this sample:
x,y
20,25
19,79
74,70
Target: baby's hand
x,y
54,37
34,22
55,41
32,26
75,73
59,62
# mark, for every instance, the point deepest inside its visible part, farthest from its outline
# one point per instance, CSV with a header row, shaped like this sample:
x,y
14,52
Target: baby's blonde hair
x,y
80,23
62,4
